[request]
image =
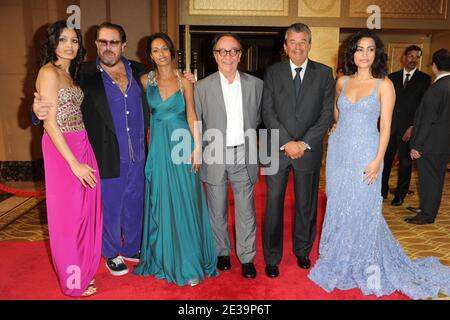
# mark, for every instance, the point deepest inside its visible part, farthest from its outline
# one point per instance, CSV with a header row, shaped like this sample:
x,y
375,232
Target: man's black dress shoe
x,y
272,271
397,202
303,262
248,270
418,220
223,263
414,209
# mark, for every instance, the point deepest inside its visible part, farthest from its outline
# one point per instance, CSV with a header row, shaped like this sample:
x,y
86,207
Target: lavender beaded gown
x,y
357,249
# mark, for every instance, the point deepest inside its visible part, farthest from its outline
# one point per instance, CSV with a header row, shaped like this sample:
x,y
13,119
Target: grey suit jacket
x,y
306,118
210,107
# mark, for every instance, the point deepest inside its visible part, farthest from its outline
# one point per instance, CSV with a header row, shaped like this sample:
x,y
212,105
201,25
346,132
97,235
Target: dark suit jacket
x,y
98,119
407,99
431,132
306,120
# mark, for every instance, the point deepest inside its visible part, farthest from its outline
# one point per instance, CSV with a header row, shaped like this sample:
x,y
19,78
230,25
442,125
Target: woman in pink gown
x,y
74,207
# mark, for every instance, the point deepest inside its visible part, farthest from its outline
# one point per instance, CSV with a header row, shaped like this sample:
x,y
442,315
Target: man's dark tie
x,y
297,81
406,80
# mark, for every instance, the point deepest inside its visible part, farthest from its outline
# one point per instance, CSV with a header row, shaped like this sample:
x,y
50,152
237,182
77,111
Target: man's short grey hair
x,y
298,27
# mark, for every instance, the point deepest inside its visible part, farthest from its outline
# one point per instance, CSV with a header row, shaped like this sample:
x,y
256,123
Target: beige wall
x,y
133,15
168,22
438,41
21,27
325,45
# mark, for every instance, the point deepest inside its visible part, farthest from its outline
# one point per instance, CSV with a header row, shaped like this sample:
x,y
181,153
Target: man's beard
x,y
109,62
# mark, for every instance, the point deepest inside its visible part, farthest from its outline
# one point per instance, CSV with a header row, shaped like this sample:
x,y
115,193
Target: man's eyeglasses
x,y
112,43
232,52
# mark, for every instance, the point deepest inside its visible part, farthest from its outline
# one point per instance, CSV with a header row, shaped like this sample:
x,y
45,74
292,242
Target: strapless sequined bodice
x,y
69,117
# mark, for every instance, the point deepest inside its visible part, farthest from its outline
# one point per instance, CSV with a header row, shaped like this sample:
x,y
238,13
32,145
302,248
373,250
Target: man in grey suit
x,y
228,104
298,101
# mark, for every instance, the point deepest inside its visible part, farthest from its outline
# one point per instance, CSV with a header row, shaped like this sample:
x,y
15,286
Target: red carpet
x,y
26,273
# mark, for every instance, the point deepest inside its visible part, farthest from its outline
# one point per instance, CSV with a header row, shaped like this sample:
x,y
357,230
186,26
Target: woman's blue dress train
x,y
357,249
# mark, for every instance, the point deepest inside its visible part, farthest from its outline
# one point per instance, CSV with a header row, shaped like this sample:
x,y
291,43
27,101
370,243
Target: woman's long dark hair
x,y
379,66
51,41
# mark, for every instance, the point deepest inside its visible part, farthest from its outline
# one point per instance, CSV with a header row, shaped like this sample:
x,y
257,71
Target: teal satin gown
x,y
177,242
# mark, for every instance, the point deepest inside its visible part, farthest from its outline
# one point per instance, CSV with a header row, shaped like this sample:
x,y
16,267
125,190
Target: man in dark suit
x,y
410,85
298,101
430,142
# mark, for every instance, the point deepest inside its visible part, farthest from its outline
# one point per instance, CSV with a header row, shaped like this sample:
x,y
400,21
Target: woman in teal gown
x,y
177,242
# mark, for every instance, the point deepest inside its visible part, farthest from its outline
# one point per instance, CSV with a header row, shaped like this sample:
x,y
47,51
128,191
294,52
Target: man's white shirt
x,y
232,95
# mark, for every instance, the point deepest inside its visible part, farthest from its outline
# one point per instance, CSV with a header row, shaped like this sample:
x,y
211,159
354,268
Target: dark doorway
x,y
262,46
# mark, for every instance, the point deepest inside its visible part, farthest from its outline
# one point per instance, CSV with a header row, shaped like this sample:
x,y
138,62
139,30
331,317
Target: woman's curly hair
x,y
51,41
379,66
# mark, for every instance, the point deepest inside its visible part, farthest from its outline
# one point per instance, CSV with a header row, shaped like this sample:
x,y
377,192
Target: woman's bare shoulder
x,y
340,82
144,75
48,71
48,76
386,85
386,82
144,78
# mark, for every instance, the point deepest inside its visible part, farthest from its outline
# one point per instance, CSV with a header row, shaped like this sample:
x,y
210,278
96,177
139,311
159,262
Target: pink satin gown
x,y
75,215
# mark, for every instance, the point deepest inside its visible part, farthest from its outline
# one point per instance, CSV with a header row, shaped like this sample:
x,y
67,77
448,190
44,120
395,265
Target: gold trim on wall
x,y
319,8
325,45
395,53
411,9
187,46
239,7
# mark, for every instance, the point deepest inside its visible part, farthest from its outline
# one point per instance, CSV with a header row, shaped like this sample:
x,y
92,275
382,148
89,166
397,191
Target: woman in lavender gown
x,y
357,249
74,208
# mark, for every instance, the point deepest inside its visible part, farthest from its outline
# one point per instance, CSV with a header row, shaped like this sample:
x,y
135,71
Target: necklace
x,y
167,77
60,68
355,76
65,74
68,75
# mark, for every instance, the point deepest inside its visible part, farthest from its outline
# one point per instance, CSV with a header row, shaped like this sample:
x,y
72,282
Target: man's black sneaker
x,y
116,266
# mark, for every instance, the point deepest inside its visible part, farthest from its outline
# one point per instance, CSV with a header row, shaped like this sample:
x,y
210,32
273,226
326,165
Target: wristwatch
x,y
307,146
